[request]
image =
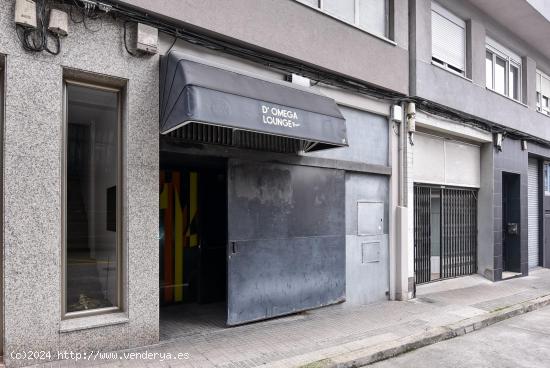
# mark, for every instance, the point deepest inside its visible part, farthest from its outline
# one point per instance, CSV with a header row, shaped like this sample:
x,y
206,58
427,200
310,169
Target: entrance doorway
x,y
445,232
192,244
511,218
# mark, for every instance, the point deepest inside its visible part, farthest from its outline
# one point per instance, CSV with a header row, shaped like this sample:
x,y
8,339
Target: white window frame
x,y
435,7
512,59
386,37
540,107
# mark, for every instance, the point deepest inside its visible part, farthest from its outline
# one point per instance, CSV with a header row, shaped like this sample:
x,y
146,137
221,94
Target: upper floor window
x,y
543,93
502,70
448,39
370,15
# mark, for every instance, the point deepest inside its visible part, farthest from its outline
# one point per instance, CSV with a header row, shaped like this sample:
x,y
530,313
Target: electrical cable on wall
x,y
37,39
92,9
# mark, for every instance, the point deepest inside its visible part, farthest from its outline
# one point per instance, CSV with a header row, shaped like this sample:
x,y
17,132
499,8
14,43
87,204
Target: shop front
x,y
246,233
447,176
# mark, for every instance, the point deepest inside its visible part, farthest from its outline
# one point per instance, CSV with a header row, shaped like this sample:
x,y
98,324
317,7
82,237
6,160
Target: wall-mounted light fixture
x,y
499,137
524,145
411,121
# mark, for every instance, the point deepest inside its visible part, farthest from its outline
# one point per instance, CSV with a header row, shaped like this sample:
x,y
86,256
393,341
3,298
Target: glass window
x,y
373,16
91,203
370,15
500,75
489,69
502,70
543,92
513,84
343,9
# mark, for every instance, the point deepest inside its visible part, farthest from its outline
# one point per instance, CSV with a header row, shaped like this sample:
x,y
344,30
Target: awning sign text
x,y
279,117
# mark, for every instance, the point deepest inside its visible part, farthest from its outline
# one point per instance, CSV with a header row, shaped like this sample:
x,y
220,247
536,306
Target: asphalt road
x,y
522,341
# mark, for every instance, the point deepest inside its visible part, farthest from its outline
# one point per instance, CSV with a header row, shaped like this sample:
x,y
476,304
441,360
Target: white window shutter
x,y
448,38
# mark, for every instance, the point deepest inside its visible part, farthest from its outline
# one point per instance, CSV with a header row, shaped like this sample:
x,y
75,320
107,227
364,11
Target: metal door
x,y
286,239
533,209
456,232
422,234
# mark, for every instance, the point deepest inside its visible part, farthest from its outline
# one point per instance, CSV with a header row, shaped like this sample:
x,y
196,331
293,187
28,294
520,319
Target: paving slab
x,y
343,336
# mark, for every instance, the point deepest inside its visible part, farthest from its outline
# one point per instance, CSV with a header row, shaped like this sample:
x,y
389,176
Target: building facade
x,y
478,64
260,158
135,188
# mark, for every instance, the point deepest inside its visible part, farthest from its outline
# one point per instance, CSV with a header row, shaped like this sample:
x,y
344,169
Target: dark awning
x,y
193,92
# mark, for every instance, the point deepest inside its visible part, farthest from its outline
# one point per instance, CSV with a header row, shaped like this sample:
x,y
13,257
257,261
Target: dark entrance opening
x,y
511,218
192,244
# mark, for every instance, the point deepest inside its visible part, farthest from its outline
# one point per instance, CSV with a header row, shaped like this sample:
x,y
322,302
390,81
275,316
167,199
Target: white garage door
x,y
533,212
447,162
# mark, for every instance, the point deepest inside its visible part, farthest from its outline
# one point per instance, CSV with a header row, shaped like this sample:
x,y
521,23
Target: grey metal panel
x,y
367,279
370,218
533,210
195,92
370,252
273,277
286,239
362,187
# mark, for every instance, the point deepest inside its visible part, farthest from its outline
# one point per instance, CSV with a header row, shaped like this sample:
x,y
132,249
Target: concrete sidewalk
x,y
342,336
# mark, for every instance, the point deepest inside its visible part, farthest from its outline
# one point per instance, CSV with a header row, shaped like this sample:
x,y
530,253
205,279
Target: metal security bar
x,y
455,231
422,234
459,232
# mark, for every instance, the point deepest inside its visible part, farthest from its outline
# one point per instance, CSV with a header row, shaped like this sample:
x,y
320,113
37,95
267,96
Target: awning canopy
x,y
193,92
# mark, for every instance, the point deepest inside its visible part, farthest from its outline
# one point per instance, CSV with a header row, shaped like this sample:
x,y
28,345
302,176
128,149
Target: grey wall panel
x,y
286,239
367,138
299,32
367,275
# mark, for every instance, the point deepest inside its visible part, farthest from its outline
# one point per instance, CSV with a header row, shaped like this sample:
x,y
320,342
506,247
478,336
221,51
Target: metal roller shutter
x,y
533,213
448,37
